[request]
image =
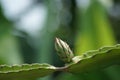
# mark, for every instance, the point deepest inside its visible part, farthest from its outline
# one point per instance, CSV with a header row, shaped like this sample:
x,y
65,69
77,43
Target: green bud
x,y
63,50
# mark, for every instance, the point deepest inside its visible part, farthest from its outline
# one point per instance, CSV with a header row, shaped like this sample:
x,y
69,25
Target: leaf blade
x,y
25,71
96,59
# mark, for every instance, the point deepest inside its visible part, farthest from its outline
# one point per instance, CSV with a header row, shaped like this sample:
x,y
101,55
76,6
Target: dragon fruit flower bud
x,y
63,50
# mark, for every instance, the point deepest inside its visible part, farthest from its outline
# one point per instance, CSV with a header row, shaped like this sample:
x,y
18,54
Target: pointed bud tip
x,y
57,39
63,50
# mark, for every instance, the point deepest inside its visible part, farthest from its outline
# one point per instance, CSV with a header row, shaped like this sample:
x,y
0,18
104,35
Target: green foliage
x,y
95,30
89,61
96,59
9,51
25,71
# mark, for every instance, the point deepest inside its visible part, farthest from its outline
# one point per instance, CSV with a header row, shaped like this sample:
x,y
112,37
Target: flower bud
x,y
63,50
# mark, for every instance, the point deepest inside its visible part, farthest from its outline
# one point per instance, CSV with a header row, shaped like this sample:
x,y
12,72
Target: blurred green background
x,y
28,29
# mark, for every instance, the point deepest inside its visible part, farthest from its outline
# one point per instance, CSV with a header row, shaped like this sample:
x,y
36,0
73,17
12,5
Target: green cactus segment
x,y
25,71
92,60
96,59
